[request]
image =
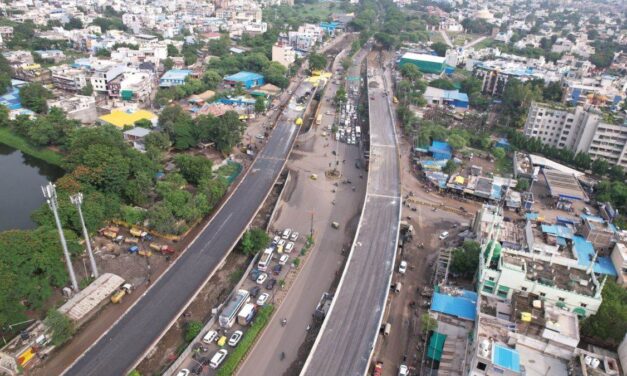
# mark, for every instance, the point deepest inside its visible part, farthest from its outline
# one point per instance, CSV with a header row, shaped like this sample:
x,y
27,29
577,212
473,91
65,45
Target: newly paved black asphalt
x,y
126,342
346,340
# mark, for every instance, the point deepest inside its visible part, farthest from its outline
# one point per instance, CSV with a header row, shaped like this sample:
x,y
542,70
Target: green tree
x,y
442,83
276,74
253,241
192,329
88,89
498,153
5,75
427,323
552,92
172,50
466,259
340,96
73,24
317,61
260,104
213,189
411,72
227,131
143,123
103,52
60,325
450,167
457,142
211,78
194,168
600,166
34,96
168,64
522,185
158,140
610,321
439,48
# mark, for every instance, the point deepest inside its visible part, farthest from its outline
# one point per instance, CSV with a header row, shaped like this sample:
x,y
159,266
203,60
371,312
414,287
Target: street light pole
x,y
51,198
77,200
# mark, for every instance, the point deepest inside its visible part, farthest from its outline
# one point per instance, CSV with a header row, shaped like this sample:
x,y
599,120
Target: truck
x,y
246,314
165,249
124,290
323,306
131,240
378,369
138,232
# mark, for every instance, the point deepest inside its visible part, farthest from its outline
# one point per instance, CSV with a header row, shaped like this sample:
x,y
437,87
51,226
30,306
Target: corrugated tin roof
x,y
92,296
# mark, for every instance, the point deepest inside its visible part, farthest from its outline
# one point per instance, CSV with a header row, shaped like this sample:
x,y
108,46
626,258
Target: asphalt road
x,y
346,340
325,259
120,348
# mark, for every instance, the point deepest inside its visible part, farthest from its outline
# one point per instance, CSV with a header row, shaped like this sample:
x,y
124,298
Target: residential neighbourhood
x,y
347,187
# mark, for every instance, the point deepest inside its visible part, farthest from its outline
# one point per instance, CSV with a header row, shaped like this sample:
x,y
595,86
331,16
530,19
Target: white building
x,y
579,130
283,54
306,37
619,259
104,73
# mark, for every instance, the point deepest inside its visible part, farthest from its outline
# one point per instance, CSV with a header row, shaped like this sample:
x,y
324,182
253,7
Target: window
x,y
491,279
561,299
584,305
542,294
481,366
523,288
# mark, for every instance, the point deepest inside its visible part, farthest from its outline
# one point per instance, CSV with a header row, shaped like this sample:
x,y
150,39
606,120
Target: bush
x,y
61,326
192,329
261,320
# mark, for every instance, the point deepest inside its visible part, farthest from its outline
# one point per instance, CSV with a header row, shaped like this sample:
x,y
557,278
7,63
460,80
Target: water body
x,y
21,178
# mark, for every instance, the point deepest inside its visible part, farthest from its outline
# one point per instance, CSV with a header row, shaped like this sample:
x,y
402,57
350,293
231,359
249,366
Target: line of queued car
x,y
282,243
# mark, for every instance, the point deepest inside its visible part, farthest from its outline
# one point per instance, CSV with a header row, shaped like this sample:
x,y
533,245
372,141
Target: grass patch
x,y
503,166
321,10
232,361
9,138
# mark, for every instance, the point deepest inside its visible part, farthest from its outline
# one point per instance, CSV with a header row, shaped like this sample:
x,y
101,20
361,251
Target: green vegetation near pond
x,y
9,138
248,340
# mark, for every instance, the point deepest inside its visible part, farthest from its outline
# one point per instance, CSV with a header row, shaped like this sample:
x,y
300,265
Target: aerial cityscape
x,y
313,187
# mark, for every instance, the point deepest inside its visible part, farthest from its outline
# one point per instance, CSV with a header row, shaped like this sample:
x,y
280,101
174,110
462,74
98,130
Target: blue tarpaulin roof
x,y
559,231
441,150
585,252
243,77
506,358
463,306
531,216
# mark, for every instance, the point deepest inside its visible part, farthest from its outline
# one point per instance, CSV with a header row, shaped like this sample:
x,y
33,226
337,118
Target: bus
x,y
319,119
230,310
265,258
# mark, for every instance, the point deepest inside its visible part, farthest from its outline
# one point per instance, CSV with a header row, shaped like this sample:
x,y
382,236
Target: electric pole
x,y
77,200
51,198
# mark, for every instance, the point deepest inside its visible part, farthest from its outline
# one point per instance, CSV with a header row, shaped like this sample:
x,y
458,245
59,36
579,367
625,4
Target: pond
x,y
21,178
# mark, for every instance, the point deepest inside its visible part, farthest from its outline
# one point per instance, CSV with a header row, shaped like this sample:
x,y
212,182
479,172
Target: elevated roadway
x,y
346,340
136,332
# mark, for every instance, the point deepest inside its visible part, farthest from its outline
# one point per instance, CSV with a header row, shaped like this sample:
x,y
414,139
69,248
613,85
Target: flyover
x,y
137,331
347,337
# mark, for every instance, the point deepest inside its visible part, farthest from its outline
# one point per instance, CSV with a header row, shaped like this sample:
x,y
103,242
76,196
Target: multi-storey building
x,y
579,129
68,78
104,74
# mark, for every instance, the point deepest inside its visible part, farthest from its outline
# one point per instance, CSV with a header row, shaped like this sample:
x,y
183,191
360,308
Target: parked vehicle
x,y
210,336
133,249
183,372
124,290
262,278
144,252
378,369
197,369
286,233
402,268
255,291
229,312
218,358
277,269
165,249
131,240
270,284
294,236
254,274
246,314
335,225
444,235
109,234
403,370
323,306
281,242
288,247
265,259
137,232
235,337
276,239
263,298
283,259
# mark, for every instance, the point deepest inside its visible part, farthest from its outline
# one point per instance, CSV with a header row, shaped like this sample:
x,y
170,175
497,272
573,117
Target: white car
x,y
286,233
263,298
403,370
259,136
262,278
444,235
402,267
288,247
283,259
276,239
218,358
281,242
183,372
210,336
235,337
294,236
